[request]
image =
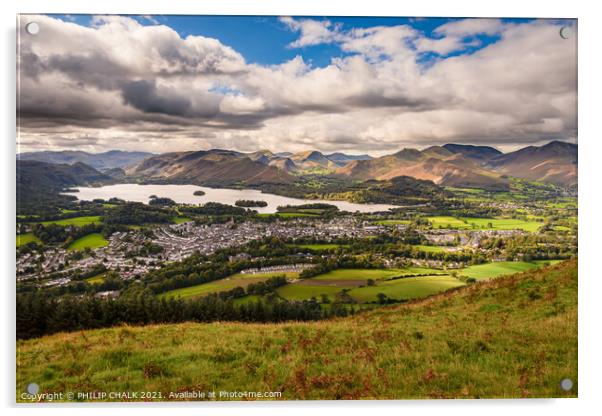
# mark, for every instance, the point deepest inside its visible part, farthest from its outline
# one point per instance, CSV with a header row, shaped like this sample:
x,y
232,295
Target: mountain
x,y
473,152
283,163
436,163
39,182
308,161
343,159
261,156
101,161
212,167
555,162
313,160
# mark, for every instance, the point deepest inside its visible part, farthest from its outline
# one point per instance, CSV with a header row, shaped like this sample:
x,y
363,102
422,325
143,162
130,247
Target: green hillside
x,y
514,336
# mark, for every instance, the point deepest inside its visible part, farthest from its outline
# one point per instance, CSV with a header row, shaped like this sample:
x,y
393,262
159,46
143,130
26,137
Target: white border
x,y
590,154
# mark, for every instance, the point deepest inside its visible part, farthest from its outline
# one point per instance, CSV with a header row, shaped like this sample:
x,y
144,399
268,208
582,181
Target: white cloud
x,y
313,32
122,84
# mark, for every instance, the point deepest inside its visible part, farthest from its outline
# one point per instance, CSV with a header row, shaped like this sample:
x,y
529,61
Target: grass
x,y
374,274
299,291
180,220
27,238
432,249
511,337
491,270
222,285
76,221
99,278
406,288
94,240
359,274
392,222
483,223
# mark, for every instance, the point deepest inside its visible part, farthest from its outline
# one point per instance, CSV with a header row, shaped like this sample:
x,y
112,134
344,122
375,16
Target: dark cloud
x,y
143,96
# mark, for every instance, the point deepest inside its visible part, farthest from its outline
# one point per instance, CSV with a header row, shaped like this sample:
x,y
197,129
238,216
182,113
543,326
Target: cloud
x,y
313,32
132,86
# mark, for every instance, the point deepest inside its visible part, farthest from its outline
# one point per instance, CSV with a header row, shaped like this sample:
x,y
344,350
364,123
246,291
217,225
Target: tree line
x,y
39,315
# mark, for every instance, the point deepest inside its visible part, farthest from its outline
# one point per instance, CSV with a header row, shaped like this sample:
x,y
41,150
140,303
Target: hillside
x,y
509,337
473,152
38,182
554,162
435,163
103,161
214,167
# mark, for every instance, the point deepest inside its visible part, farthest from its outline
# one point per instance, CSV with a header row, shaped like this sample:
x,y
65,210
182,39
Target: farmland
x,y
432,249
76,221
236,280
94,240
491,270
406,288
27,238
484,223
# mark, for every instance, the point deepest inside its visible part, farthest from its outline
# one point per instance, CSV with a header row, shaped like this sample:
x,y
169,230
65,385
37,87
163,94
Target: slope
x,y
514,336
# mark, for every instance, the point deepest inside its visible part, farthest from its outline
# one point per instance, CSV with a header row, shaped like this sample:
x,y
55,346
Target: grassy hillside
x,y
514,336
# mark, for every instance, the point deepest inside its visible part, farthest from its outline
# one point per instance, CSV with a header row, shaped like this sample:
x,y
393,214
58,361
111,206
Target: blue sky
x,y
264,39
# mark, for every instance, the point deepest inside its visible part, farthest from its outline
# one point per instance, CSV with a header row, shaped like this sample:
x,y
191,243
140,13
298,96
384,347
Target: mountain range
x,y
448,165
100,161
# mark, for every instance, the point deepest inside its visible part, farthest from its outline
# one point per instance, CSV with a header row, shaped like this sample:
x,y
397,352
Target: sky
x,y
350,84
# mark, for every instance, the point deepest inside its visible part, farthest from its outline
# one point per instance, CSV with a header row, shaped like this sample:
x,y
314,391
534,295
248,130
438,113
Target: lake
x,y
183,194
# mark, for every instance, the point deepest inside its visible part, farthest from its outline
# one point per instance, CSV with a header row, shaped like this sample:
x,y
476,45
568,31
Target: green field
x,y
334,281
432,249
299,291
180,220
94,240
406,288
490,270
512,337
222,285
99,278
483,223
77,221
27,238
392,222
359,274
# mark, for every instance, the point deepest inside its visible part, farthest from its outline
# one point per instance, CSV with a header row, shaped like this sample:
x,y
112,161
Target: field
x,y
432,249
392,222
99,278
336,280
490,270
483,223
406,288
180,220
76,221
27,238
359,274
242,280
94,240
300,291
452,345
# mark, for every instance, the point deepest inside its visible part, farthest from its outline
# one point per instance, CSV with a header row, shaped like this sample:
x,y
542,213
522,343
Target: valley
x,y
264,241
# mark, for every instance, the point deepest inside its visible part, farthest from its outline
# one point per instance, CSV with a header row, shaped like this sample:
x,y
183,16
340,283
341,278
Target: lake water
x,y
183,194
